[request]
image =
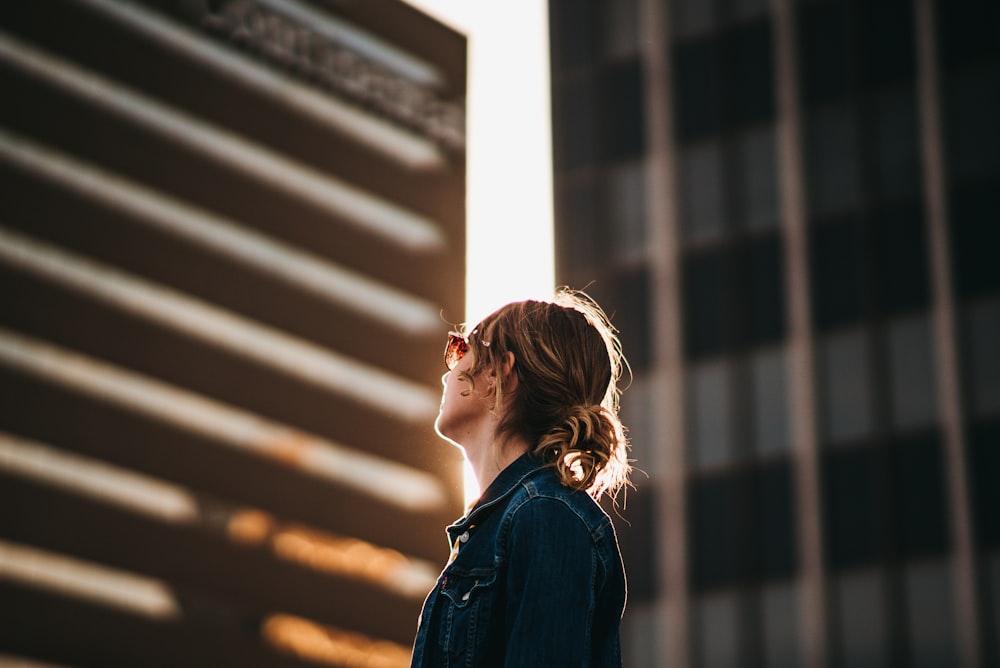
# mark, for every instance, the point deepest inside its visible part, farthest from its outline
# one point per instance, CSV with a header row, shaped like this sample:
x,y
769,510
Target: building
x,y
231,235
792,209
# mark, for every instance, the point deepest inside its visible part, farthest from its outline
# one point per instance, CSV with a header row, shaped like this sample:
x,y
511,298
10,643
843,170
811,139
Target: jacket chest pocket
x,y
469,597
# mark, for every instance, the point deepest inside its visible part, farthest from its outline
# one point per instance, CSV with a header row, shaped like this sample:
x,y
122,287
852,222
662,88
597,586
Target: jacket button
x,y
464,537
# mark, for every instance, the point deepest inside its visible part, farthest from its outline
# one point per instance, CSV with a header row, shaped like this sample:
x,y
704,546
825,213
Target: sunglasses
x,y
458,345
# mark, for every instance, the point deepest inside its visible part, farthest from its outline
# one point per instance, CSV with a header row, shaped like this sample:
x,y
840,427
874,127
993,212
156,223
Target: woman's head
x,y
564,404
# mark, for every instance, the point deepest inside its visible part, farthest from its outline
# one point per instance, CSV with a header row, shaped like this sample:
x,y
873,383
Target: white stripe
x,y
380,478
81,579
264,345
93,478
389,306
392,223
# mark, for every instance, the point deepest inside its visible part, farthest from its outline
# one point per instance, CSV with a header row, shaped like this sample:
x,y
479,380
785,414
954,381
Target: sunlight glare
x,y
509,205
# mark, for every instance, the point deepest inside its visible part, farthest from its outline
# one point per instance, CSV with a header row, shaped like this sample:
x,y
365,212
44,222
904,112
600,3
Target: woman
x,y
535,577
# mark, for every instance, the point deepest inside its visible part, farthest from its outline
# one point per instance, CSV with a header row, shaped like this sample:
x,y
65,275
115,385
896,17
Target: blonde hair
x,y
568,362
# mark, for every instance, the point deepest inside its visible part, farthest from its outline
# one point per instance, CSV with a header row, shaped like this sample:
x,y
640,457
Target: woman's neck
x,y
488,461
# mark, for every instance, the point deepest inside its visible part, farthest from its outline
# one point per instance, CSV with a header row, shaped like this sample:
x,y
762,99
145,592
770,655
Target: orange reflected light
x,y
329,553
311,641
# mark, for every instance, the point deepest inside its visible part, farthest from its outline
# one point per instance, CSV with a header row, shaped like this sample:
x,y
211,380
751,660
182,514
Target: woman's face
x,y
464,409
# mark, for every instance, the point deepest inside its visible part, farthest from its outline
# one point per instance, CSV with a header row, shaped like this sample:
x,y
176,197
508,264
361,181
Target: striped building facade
x,y
230,236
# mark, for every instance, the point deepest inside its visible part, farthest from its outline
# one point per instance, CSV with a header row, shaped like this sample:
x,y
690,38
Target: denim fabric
x,y
535,579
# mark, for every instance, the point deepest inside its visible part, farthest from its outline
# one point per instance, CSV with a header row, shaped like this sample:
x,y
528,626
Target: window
x,y
580,228
975,210
779,620
621,28
690,18
774,529
624,207
720,630
968,30
762,282
756,188
769,400
846,387
836,269
901,264
862,619
719,530
896,151
624,115
913,400
972,106
833,181
982,324
702,192
576,111
851,511
930,622
697,78
711,416
886,35
823,52
708,320
749,92
984,471
574,43
921,515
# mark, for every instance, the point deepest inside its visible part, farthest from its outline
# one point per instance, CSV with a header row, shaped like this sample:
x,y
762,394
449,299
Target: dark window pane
x,y
900,246
967,30
836,272
625,296
920,496
763,280
692,17
897,153
708,321
575,125
756,179
833,176
775,532
638,543
823,49
578,226
984,437
623,123
975,237
697,77
574,34
850,506
887,40
719,528
749,74
972,107
981,322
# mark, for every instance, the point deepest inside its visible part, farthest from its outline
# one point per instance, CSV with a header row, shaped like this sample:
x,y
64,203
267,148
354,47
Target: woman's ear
x,y
507,368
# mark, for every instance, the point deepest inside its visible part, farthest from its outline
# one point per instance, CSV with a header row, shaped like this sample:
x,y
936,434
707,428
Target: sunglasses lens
x,y
455,350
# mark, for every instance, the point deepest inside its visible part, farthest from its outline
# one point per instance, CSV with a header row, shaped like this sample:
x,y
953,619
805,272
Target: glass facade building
x,y
791,209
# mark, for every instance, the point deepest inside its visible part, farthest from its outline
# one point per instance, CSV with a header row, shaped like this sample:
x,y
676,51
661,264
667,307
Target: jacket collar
x,y
501,487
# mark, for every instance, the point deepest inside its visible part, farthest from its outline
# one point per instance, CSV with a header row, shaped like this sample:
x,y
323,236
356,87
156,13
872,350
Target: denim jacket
x,y
535,579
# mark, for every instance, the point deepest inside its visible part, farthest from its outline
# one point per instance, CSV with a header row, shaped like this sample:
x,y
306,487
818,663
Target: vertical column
x,y
967,619
802,395
674,606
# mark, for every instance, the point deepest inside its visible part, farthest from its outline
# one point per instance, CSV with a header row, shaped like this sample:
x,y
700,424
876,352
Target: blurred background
x,y
234,232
